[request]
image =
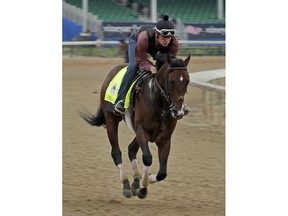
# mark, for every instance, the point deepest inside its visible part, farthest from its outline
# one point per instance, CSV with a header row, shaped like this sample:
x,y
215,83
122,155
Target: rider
x,y
147,40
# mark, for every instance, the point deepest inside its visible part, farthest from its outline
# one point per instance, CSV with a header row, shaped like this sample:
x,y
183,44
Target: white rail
x,y
201,80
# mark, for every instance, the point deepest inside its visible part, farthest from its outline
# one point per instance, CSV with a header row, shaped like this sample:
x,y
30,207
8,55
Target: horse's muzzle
x,y
179,113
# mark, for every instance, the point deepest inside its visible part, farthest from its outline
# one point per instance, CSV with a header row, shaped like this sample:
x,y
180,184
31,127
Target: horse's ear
x,y
187,60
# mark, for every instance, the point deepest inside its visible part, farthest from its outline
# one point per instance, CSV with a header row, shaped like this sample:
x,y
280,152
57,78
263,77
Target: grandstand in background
x,y
188,11
190,15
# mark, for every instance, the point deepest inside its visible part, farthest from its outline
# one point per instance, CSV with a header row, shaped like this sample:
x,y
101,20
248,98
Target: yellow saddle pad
x,y
113,89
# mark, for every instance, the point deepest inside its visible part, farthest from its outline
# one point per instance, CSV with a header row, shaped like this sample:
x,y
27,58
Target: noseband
x,y
166,93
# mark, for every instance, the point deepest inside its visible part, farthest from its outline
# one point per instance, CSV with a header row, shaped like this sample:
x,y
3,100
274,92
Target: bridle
x,y
166,94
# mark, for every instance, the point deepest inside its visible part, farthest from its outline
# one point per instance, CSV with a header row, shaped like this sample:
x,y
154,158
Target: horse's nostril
x,y
175,112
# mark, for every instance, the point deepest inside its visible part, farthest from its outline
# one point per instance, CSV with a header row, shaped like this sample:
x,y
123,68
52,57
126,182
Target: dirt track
x,y
195,184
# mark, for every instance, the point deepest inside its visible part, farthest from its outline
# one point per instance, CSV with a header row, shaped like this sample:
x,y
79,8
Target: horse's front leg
x,y
163,154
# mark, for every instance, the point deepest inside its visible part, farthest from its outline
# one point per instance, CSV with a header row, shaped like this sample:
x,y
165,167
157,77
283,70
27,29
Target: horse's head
x,y
173,78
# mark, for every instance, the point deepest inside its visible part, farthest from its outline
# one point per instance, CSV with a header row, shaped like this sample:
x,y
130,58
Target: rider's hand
x,y
153,69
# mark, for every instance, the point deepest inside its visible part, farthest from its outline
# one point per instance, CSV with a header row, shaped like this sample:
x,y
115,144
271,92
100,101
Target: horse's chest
x,y
164,131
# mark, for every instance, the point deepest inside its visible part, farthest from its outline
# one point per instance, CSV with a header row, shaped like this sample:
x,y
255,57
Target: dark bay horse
x,y
158,104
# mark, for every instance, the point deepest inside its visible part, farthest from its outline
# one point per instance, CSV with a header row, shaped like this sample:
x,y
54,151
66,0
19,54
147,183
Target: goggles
x,y
166,32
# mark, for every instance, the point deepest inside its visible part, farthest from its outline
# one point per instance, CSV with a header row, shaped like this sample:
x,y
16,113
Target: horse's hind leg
x,y
132,152
112,124
147,161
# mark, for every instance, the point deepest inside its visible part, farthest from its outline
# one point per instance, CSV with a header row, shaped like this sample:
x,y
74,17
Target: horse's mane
x,y
175,62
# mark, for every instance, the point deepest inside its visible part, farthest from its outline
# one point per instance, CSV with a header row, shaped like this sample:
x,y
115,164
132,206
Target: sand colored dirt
x,y
195,184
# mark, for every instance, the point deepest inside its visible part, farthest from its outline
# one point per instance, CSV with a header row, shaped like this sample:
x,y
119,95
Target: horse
x,y
157,106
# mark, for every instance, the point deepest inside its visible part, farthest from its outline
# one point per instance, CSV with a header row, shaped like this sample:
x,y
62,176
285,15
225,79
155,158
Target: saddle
x,y
135,88
113,88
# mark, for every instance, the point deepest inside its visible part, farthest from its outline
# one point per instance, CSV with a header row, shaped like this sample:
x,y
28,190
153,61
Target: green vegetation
x,y
90,50
204,50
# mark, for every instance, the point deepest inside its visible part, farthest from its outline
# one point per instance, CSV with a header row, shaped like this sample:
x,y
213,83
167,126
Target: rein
x,y
166,96
165,93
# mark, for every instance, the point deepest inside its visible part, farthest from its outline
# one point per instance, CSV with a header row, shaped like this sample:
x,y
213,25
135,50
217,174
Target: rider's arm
x,y
141,52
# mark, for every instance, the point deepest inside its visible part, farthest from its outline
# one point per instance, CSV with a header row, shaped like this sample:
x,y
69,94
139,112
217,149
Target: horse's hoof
x,y
135,186
127,193
142,193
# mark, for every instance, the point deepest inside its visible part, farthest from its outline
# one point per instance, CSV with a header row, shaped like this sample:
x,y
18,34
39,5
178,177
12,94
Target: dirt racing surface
x,y
195,183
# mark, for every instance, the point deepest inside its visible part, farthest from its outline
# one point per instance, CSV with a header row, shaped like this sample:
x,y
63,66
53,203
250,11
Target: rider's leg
x,y
127,79
125,85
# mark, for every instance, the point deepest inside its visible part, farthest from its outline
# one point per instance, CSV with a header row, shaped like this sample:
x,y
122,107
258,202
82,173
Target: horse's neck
x,y
161,74
153,88
157,92
150,91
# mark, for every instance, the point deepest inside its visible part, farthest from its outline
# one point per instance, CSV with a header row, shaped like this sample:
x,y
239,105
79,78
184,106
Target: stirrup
x,y
119,107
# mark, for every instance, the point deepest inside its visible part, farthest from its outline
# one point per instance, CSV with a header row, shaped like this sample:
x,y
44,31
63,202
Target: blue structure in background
x,y
70,29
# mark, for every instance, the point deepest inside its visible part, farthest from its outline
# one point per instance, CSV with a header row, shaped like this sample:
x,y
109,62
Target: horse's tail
x,y
95,120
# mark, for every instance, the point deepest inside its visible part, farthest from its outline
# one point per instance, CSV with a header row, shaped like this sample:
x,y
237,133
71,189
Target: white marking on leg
x,y
122,174
136,170
145,178
152,179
